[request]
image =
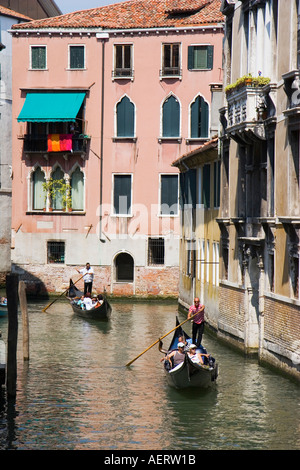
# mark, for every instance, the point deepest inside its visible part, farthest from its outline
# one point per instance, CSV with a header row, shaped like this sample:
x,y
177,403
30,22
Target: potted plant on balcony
x,y
247,80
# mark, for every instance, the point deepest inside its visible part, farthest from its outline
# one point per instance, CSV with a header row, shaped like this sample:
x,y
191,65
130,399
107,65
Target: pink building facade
x,y
104,101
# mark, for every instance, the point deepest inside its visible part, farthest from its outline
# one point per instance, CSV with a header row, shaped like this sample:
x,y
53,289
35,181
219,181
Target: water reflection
x,y
77,393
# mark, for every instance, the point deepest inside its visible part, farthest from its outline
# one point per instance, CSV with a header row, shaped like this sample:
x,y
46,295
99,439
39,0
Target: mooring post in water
x,y
12,281
24,311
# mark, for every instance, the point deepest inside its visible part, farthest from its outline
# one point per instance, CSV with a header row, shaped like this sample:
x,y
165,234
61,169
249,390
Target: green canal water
x,y
76,393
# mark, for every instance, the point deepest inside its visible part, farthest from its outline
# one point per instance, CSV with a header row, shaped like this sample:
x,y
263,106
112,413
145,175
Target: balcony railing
x,y
248,109
123,73
40,144
170,72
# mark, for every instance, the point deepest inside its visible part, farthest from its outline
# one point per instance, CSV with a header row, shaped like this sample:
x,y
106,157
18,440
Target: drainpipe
x,y
102,37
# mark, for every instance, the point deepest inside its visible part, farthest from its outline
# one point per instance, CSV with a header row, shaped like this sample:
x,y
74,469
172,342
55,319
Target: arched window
x,y
171,117
77,190
199,118
57,197
125,118
38,192
124,267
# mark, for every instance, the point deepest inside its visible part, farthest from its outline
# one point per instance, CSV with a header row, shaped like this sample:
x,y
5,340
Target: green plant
x,y
247,80
52,187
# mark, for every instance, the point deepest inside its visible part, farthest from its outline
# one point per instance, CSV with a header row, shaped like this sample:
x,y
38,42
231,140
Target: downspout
x,y
103,37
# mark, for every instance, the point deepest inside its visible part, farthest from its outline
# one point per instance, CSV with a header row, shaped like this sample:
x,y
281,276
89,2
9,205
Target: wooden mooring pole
x,y
12,281
25,323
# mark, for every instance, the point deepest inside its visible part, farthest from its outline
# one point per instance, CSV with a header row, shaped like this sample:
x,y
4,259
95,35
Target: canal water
x,y
76,393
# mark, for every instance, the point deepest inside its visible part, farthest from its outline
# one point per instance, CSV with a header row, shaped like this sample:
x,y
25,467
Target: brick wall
x,y
148,281
282,324
232,311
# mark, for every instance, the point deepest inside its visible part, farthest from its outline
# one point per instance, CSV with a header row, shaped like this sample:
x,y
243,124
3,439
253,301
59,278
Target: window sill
x,y
55,212
161,140
195,140
38,70
124,139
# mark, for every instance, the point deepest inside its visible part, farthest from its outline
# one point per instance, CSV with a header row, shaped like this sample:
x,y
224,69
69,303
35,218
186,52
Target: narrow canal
x,y
76,393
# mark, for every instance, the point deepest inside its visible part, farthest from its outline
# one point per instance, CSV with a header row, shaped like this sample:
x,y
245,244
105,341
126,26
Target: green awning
x,y
51,106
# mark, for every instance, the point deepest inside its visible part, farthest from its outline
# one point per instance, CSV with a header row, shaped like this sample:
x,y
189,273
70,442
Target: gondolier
x,y
198,321
88,276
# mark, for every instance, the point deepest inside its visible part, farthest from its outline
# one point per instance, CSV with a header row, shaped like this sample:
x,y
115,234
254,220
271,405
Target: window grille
x,y
56,252
156,251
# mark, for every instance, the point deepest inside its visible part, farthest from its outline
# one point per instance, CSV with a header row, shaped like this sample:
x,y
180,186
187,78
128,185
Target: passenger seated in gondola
x,y
88,301
181,339
3,301
97,300
196,356
175,357
80,302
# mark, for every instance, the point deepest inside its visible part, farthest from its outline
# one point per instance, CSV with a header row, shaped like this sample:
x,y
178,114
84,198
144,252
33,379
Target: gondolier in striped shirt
x,y
197,320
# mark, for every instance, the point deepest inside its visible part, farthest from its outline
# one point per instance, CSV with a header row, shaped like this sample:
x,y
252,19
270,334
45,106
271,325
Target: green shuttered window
x,y
77,59
38,57
122,194
199,118
169,195
125,118
200,57
171,118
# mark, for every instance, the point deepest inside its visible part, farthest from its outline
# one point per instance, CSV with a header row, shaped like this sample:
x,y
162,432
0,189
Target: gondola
x,y
188,373
99,313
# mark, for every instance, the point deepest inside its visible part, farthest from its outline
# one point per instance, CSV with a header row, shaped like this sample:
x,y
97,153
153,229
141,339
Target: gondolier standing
x,y
88,276
198,321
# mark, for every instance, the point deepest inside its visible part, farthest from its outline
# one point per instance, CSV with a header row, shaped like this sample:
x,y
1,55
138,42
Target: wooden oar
x,y
159,339
46,308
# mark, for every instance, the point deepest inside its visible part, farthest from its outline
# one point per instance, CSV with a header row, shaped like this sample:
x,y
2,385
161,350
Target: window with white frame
x,y
125,111
169,195
123,61
38,192
200,57
77,57
199,118
122,194
171,117
77,190
38,57
171,65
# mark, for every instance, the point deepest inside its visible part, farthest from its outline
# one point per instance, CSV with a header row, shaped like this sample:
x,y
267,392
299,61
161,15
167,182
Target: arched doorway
x,y
124,268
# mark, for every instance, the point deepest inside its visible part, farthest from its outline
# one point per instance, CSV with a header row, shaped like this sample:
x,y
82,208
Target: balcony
x,y
125,73
250,107
170,72
42,143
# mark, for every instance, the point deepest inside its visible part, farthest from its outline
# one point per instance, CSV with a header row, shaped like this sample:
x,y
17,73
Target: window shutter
x,y
195,118
206,186
190,57
171,117
169,194
122,194
125,118
210,57
76,57
204,118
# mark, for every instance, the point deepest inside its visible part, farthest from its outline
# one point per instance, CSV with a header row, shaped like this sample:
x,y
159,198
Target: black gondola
x,y
188,373
102,312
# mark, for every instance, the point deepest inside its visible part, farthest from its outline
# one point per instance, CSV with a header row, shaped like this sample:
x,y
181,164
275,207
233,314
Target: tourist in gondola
x,y
175,357
87,301
198,321
194,355
88,277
